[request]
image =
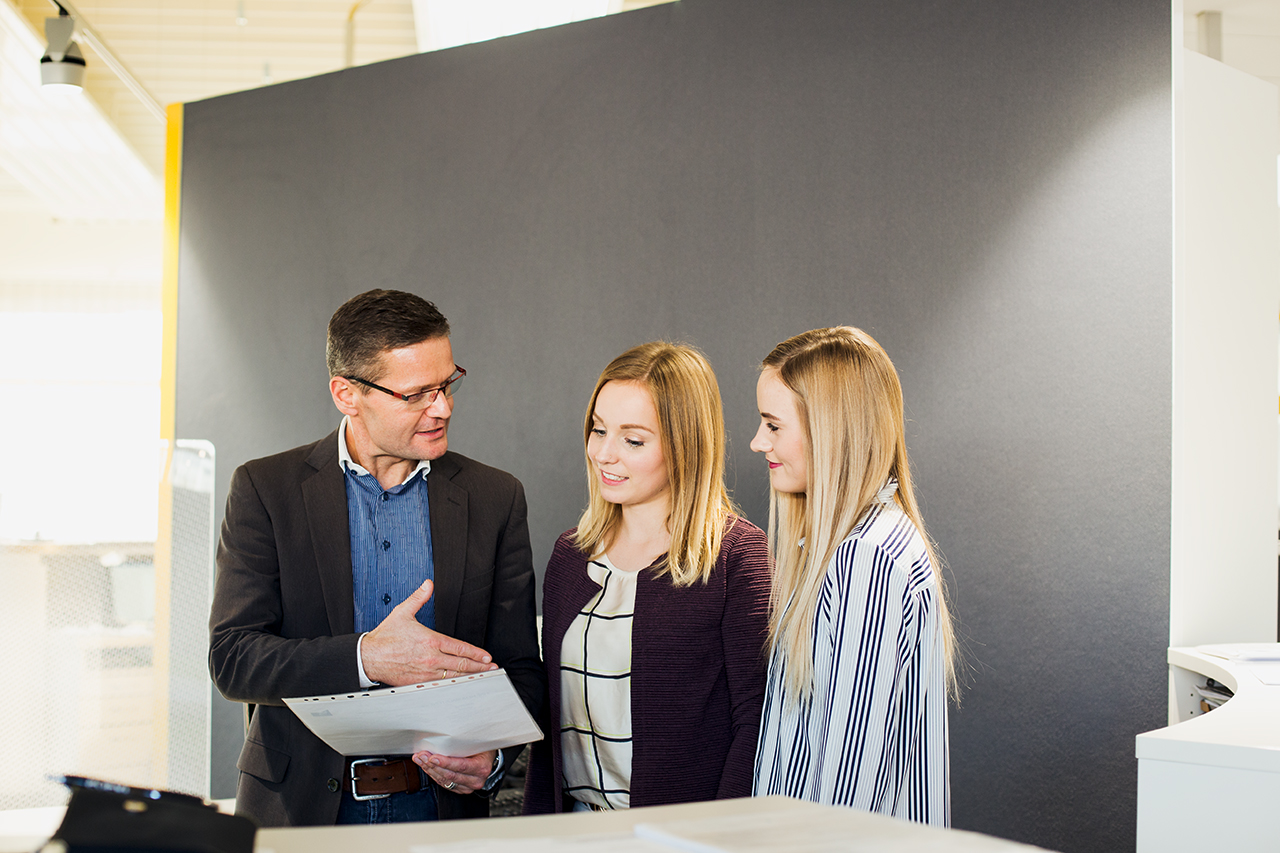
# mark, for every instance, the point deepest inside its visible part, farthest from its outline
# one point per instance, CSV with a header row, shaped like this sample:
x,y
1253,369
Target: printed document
x,y
456,716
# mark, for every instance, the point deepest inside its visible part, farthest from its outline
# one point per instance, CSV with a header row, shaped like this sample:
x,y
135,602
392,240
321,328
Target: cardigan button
x,y
332,785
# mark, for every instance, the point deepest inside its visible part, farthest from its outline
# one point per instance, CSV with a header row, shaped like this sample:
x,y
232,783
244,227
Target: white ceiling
x,y
187,50
1250,34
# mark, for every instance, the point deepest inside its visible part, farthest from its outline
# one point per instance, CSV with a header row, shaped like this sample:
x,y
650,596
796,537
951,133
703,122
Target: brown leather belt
x,y
373,778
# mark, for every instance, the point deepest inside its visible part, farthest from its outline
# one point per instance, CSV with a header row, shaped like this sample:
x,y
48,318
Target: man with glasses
x,y
372,557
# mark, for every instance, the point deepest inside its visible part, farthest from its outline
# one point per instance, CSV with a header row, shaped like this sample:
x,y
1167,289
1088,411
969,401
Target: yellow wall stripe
x,y
169,285
163,559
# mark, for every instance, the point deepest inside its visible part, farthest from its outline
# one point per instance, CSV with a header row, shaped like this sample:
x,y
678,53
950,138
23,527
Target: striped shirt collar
x,y
349,464
885,495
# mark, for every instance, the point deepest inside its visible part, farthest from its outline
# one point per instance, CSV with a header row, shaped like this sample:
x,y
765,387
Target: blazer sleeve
x,y
254,656
744,631
542,794
512,634
539,781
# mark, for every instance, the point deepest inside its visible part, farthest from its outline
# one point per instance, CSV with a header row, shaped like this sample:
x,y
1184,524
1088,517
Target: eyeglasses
x,y
420,399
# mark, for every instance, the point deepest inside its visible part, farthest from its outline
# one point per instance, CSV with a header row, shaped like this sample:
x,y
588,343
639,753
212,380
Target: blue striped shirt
x,y
873,732
390,540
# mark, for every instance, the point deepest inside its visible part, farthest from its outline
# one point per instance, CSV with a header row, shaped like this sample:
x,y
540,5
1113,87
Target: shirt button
x,y
332,785
386,496
386,545
386,598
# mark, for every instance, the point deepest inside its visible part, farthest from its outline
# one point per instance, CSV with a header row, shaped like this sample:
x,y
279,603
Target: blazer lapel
x,y
448,503
324,498
559,610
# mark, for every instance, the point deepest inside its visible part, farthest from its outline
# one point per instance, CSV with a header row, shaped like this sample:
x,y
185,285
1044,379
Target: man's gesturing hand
x,y
401,650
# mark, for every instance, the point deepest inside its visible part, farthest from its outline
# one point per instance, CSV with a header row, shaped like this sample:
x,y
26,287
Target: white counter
x,y
1211,779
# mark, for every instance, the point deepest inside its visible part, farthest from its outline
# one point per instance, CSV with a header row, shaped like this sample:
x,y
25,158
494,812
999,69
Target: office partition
x,y
985,187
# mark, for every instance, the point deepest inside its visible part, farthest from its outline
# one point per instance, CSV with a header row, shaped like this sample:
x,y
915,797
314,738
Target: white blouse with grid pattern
x,y
595,690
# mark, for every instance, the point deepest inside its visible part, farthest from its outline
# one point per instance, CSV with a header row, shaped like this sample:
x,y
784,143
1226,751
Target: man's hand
x,y
401,650
457,775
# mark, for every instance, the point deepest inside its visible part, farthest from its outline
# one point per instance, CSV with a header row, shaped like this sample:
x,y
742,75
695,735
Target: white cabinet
x,y
1212,780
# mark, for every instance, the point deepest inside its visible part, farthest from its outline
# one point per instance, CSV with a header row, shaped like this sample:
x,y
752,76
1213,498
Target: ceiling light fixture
x,y
65,151
62,63
101,50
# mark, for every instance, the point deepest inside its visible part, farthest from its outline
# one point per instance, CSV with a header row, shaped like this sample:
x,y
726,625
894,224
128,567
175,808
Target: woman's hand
x,y
457,775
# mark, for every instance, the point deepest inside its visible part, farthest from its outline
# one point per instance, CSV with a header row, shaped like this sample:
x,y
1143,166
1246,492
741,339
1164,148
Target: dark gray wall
x,y
985,185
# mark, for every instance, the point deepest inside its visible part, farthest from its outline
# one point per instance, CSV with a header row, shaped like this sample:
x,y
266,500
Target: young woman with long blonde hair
x,y
655,607
859,631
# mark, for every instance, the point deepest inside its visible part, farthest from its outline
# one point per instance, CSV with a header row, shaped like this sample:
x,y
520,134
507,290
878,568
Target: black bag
x,y
103,817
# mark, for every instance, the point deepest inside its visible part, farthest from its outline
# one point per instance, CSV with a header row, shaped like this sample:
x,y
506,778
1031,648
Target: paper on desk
x,y
612,842
1243,651
457,716
769,832
1268,672
1261,660
763,834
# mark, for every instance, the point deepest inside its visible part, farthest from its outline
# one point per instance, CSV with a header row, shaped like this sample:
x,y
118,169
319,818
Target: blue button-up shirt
x,y
390,540
390,549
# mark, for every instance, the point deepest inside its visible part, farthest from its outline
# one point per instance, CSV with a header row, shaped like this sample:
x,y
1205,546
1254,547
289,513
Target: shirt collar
x,y
885,495
349,464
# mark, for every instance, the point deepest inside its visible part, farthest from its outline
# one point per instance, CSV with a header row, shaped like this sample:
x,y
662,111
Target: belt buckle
x,y
355,793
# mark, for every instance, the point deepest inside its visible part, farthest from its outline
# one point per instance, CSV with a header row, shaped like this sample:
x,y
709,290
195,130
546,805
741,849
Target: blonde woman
x,y
655,607
860,636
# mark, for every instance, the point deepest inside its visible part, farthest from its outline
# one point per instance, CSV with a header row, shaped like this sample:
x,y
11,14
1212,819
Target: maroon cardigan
x,y
697,675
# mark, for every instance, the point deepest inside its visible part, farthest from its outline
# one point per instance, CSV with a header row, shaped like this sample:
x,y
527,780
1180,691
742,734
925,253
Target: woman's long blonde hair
x,y
686,396
849,401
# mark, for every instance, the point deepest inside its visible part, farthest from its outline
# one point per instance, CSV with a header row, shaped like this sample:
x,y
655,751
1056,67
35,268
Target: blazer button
x,y
332,785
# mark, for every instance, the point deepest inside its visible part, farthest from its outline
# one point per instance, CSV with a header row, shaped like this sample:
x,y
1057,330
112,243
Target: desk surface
x,y
1242,734
738,825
